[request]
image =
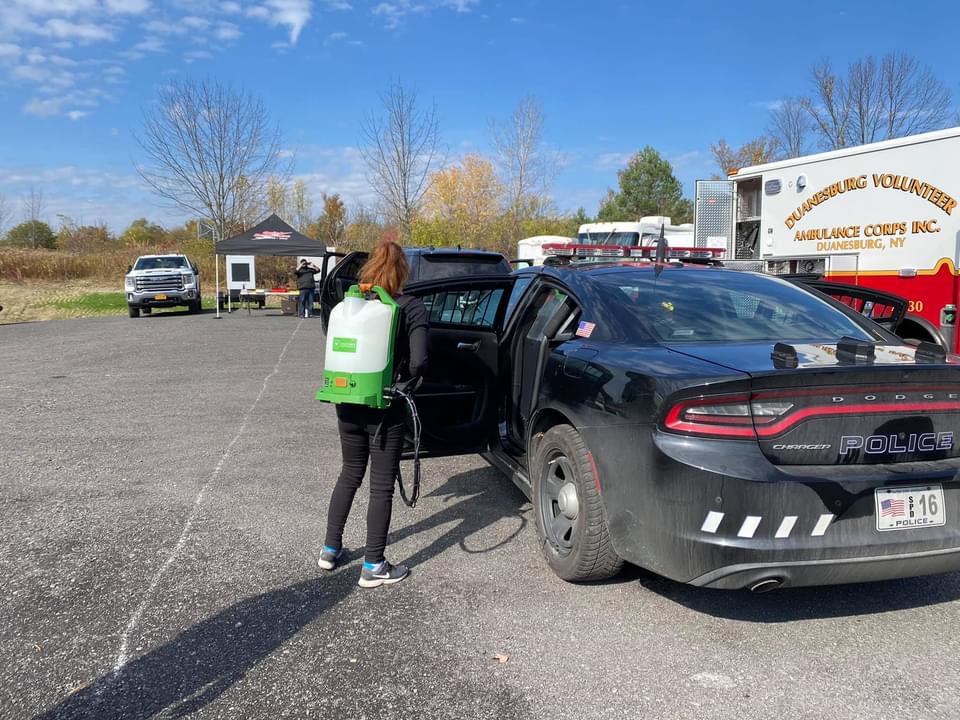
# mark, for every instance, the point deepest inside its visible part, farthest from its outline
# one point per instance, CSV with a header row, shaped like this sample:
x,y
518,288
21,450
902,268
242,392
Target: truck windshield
x,y
161,263
608,238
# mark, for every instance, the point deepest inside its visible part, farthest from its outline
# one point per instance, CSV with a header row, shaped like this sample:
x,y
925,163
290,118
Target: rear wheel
x,y
146,310
571,522
133,311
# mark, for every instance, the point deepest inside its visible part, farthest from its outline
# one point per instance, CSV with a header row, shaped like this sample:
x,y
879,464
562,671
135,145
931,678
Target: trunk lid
x,y
834,404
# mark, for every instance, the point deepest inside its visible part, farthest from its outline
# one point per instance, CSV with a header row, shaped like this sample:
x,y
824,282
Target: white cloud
x,y
230,8
127,7
292,13
150,44
195,23
258,12
193,55
59,28
227,31
460,6
333,37
612,161
77,114
394,12
159,27
9,50
337,5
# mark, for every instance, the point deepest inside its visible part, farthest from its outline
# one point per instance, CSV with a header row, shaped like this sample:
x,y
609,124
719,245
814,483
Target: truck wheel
x,y
571,523
133,310
146,310
193,306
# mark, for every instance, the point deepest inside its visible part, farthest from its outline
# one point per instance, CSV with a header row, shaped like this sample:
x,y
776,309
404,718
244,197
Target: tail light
x,y
724,416
767,414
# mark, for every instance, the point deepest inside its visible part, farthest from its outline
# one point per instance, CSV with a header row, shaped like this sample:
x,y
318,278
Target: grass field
x,y
44,300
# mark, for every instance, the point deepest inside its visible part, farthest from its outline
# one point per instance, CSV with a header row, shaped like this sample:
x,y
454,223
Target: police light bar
x,y
678,253
572,250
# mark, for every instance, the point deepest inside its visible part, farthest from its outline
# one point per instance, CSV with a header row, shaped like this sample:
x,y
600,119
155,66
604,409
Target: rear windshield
x,y
161,263
436,267
691,306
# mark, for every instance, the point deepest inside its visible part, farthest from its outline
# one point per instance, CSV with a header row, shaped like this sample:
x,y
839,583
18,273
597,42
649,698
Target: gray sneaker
x,y
382,574
329,559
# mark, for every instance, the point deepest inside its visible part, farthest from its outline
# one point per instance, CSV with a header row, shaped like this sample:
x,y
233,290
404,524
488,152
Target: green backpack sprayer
x,y
358,362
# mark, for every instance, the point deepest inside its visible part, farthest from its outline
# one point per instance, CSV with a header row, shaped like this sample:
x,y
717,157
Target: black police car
x,y
721,428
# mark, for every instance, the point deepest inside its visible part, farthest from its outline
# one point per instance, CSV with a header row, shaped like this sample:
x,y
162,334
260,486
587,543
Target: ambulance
x,y
882,216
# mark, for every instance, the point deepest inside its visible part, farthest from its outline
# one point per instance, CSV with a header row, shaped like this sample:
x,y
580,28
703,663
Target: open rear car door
x,y
883,308
335,283
458,401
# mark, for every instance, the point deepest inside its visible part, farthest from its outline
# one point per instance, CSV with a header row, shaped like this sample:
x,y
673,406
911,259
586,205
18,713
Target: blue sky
x,y
75,76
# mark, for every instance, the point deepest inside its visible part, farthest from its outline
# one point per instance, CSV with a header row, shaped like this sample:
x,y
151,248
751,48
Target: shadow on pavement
x,y
196,667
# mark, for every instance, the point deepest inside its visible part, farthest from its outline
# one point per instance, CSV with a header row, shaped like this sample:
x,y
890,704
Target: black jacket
x,y
410,350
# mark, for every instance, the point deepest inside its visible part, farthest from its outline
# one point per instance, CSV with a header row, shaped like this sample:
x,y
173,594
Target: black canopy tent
x,y
271,237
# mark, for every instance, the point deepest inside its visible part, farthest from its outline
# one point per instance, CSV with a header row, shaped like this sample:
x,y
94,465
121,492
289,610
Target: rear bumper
x,y
724,517
766,576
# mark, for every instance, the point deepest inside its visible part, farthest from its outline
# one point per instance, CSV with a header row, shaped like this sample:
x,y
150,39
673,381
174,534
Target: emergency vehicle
x,y
881,216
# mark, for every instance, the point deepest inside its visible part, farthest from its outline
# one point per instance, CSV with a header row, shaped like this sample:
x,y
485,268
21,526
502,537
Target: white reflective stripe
x,y
822,524
712,521
749,527
786,527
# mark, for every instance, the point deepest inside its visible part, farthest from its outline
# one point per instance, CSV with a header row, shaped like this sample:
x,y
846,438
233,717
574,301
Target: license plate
x,y
904,508
160,297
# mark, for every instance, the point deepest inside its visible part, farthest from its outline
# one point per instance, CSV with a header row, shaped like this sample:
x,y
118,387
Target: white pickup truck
x,y
156,281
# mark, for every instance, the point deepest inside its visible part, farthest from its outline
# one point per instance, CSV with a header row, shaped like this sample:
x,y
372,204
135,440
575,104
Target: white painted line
x,y
712,521
822,524
786,527
148,597
749,527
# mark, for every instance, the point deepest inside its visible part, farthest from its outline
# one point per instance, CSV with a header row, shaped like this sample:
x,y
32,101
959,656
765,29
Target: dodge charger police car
x,y
720,428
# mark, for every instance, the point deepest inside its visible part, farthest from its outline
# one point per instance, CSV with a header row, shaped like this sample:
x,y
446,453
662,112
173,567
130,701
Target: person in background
x,y
307,286
377,435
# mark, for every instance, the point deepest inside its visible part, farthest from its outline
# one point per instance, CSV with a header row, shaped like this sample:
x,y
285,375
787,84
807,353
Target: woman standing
x,y
377,435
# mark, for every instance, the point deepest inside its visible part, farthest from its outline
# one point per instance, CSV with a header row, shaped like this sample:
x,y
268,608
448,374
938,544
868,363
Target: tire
x,y
146,310
193,306
133,310
578,548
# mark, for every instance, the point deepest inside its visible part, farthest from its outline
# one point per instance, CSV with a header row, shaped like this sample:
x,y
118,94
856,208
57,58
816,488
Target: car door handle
x,y
468,347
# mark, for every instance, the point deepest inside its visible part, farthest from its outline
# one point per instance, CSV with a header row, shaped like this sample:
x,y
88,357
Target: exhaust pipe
x,y
766,585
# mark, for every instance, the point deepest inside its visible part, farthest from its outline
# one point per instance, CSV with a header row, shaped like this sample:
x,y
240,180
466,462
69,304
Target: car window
x,y
439,266
476,308
161,263
520,286
704,306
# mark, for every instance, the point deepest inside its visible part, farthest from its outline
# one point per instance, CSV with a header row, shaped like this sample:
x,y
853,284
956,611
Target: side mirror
x,y
129,268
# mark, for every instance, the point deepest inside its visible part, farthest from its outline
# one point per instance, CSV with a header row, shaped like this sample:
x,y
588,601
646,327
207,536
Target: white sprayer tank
x,y
359,338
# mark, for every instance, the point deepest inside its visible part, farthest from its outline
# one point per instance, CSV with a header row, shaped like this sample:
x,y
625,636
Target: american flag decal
x,y
272,235
891,508
585,329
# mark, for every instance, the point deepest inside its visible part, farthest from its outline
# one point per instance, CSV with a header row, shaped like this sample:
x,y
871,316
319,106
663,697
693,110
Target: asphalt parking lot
x,y
163,484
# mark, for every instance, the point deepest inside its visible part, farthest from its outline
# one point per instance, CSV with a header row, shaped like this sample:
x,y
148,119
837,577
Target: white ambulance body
x,y
883,216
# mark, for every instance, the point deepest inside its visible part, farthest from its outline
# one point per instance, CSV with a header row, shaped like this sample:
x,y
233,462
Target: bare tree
x,y
300,204
830,107
790,128
4,215
277,197
753,152
876,101
210,150
33,209
400,148
526,167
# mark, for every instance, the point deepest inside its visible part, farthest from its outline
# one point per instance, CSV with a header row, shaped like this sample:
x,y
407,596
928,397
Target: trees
x,y
300,205
647,187
464,201
143,234
209,150
790,128
526,168
84,238
32,234
331,227
400,148
876,100
754,152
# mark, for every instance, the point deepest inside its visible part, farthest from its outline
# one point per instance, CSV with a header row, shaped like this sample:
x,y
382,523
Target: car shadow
x,y
803,603
202,662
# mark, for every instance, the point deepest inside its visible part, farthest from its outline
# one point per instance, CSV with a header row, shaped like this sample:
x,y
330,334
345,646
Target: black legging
x,y
358,425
